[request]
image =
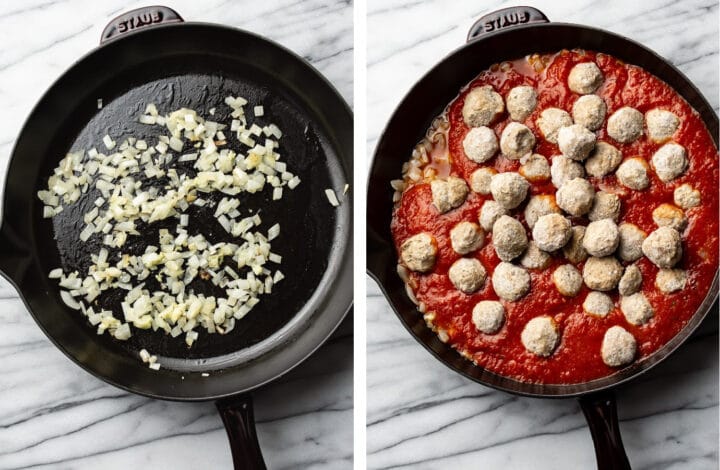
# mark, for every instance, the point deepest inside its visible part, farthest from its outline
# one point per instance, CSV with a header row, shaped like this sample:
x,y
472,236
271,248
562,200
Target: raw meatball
x,y
671,280
550,122
490,212
466,237
419,252
510,282
516,140
509,189
636,308
576,142
667,215
625,125
601,238
574,250
661,124
448,194
563,170
575,197
538,206
585,78
597,304
603,160
535,168
633,174
602,274
551,232
618,347
482,106
540,336
521,101
509,238
631,240
467,275
480,144
589,112
663,247
630,281
686,197
568,280
488,316
534,257
605,206
480,180
670,161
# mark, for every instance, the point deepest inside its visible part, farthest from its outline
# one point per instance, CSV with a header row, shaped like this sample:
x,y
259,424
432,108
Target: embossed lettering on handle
x,y
139,18
505,18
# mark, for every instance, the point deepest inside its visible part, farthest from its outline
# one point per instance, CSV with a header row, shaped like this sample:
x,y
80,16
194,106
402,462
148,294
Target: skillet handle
x,y
600,411
505,18
237,416
139,18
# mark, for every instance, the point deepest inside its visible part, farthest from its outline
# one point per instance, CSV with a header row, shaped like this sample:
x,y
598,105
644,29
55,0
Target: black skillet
x,y
151,55
505,35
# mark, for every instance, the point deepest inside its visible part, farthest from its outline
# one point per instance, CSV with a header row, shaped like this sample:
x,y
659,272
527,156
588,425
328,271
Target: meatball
x,y
670,161
540,336
618,347
663,247
482,106
605,206
516,140
509,238
576,142
510,282
630,281
467,275
448,194
550,122
419,252
509,189
466,237
603,160
574,250
671,280
575,197
538,206
686,197
563,170
589,112
490,212
632,173
667,215
534,257
535,168
636,308
568,280
480,144
488,316
631,240
480,180
601,238
585,78
521,101
597,304
602,274
625,125
551,232
661,124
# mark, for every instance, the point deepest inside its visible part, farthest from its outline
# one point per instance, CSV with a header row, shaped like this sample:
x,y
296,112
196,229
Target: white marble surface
x,y
52,413
423,415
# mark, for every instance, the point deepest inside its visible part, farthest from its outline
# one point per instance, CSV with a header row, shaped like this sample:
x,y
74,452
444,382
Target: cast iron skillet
x,y
505,35
151,55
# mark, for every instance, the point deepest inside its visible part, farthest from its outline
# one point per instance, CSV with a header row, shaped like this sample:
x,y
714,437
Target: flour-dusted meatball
x,y
631,280
540,336
448,194
482,106
601,238
589,112
509,189
520,102
663,247
574,250
538,206
516,140
509,238
480,144
631,240
419,252
636,308
535,168
550,122
480,180
618,347
551,232
488,316
563,170
625,125
568,280
671,280
510,282
667,215
670,161
534,257
686,197
575,197
467,275
597,304
661,124
584,78
490,212
605,206
466,237
632,173
602,274
603,160
576,142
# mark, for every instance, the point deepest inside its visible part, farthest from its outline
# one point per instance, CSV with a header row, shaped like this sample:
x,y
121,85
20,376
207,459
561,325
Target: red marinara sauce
x,y
577,357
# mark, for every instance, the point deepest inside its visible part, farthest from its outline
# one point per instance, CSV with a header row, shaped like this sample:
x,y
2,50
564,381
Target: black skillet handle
x,y
600,412
237,416
505,18
139,18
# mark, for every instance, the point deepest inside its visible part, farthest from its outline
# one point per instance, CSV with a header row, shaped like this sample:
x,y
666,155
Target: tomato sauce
x,y
577,357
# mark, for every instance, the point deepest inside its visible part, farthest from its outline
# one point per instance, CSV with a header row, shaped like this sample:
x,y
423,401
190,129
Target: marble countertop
x,y
55,415
421,414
